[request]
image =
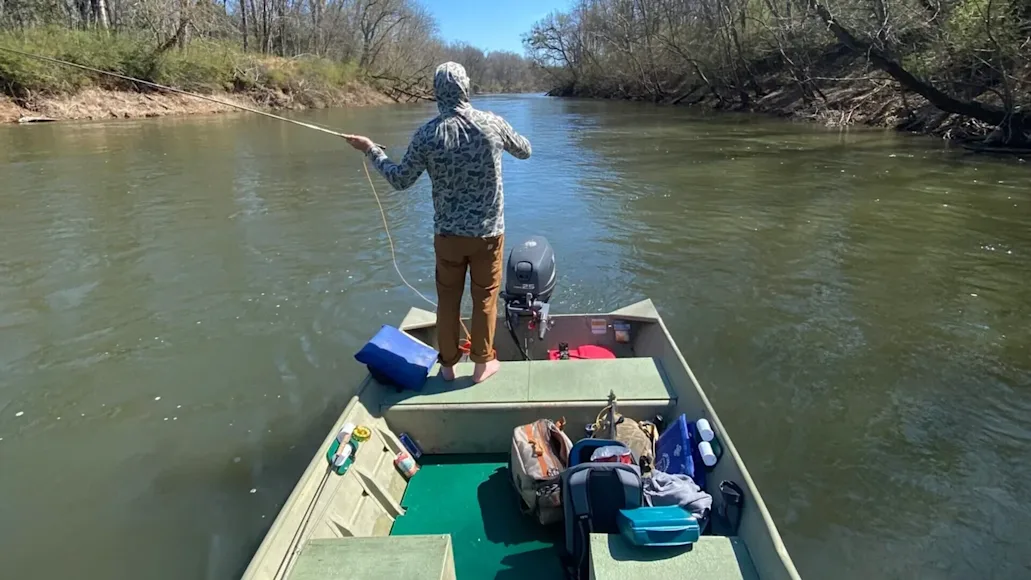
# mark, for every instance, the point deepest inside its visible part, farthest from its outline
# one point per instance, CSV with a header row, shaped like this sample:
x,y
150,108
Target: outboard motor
x,y
529,283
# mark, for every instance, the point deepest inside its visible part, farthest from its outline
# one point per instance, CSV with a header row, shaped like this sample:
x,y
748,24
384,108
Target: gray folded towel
x,y
676,489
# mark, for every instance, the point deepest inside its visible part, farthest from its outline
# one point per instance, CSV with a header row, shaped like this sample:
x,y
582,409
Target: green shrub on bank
x,y
203,66
291,75
21,74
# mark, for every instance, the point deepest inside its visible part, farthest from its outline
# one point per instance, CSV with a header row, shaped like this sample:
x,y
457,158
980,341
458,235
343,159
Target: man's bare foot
x,y
448,373
484,371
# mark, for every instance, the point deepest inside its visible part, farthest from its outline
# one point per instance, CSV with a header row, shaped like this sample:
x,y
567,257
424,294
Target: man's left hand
x,y
360,143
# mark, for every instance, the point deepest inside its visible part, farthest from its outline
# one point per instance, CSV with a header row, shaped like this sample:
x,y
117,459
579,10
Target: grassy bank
x,y
219,69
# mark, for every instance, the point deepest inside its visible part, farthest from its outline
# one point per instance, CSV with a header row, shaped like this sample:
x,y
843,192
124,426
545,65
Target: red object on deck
x,y
618,455
584,351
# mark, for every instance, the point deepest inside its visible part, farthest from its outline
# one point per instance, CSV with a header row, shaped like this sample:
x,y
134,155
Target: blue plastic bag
x,y
396,358
675,451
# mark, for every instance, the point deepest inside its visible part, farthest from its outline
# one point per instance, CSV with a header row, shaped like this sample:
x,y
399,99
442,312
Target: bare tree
x,y
970,59
391,42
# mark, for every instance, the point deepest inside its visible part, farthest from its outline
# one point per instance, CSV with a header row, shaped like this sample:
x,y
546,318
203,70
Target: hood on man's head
x,y
451,87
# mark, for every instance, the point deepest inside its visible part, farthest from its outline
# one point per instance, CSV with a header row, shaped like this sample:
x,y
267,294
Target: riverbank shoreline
x,y
56,74
871,101
960,72
98,104
854,97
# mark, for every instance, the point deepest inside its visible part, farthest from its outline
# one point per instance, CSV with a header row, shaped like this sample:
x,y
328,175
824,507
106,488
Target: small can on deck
x,y
405,464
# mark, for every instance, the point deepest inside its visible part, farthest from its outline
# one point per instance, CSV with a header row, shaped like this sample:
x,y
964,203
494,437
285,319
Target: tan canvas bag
x,y
540,453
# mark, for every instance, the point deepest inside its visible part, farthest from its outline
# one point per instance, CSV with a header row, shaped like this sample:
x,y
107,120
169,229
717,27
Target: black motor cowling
x,y
530,273
529,282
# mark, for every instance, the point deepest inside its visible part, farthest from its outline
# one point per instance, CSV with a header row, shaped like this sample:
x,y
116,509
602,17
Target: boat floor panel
x,y
471,498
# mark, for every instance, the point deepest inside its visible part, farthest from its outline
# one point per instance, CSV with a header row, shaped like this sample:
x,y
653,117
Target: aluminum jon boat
x,y
458,516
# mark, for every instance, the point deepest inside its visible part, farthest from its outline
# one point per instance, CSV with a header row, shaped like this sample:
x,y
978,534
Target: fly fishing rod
x,y
365,166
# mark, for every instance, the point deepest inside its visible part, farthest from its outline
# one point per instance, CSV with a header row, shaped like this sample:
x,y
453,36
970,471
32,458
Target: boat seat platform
x,y
711,558
543,381
480,417
403,558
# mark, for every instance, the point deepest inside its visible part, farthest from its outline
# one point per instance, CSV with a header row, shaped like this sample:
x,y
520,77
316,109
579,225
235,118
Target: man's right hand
x,y
360,142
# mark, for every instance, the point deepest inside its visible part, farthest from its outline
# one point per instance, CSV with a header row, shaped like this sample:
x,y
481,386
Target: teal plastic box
x,y
659,526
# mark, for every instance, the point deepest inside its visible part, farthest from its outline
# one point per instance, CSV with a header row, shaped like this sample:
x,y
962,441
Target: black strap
x,y
730,510
584,523
585,526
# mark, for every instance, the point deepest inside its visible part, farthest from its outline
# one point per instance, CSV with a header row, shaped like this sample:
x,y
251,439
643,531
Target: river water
x,y
180,300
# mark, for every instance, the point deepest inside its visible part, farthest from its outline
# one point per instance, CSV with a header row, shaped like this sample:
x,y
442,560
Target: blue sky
x,y
490,24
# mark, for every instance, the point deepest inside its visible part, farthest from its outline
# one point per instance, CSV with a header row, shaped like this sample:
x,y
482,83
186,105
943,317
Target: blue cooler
x,y
669,525
395,358
675,451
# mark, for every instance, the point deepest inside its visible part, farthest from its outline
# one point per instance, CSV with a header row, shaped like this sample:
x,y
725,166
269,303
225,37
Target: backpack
x,y
540,453
592,495
640,437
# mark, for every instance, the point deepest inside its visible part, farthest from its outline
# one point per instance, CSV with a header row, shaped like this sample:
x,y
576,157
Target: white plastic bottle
x,y
342,454
704,429
345,433
708,456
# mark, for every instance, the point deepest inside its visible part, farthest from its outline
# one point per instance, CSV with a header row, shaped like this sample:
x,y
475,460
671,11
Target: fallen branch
x,y
1013,123
400,87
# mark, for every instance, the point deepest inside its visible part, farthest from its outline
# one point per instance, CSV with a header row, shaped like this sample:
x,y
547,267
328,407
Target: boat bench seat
x,y
544,381
711,558
409,557
480,417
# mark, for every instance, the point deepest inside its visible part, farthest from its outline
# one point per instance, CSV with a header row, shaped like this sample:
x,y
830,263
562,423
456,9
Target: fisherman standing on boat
x,y
461,150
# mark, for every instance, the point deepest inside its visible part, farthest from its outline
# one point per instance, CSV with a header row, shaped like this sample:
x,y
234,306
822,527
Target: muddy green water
x,y
180,300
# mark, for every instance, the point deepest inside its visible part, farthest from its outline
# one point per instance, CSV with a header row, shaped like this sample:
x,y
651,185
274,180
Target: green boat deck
x,y
472,499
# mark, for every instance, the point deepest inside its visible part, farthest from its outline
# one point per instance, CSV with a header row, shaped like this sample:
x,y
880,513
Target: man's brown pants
x,y
483,258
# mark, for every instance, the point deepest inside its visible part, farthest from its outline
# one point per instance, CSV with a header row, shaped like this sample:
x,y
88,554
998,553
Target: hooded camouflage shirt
x,y
460,149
